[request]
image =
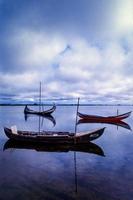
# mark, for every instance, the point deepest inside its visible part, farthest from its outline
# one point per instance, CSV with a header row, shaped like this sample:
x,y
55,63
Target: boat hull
x,y
116,118
53,137
41,113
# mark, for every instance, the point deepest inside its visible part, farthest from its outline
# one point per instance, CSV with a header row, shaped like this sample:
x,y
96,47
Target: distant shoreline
x,y
61,104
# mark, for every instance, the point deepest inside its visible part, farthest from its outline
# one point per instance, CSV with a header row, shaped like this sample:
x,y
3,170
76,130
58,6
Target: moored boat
x,y
104,119
53,136
42,113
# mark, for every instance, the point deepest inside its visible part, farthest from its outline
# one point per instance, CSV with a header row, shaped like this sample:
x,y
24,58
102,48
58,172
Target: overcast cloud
x,y
75,47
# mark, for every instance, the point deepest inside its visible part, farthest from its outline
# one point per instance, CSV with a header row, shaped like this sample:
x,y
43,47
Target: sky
x,y
76,48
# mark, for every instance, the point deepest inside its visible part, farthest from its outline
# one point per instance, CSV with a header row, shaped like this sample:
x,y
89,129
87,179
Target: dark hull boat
x,y
42,113
109,119
86,148
117,123
47,137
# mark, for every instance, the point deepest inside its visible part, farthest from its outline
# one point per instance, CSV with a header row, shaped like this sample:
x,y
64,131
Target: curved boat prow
x,y
125,115
41,113
97,134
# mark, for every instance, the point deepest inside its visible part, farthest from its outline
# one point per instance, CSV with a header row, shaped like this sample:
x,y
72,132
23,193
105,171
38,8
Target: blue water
x,y
29,174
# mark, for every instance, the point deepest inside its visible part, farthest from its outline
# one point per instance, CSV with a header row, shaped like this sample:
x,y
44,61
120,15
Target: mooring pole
x,y
117,115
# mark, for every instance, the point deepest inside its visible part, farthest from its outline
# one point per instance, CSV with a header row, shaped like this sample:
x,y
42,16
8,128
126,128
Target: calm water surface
x,y
29,174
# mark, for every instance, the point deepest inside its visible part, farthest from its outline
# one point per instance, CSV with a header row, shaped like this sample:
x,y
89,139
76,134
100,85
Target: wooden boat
x,y
52,137
86,148
117,123
41,113
104,119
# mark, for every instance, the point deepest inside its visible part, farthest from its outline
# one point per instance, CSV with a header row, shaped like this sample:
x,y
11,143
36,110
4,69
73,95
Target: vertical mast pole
x,y
40,98
77,116
117,115
39,105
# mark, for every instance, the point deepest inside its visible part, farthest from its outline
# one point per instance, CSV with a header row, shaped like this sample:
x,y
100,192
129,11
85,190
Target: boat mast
x,y
77,116
39,107
40,98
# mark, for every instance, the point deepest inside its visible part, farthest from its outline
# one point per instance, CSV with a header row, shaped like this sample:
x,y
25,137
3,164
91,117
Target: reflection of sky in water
x,y
44,175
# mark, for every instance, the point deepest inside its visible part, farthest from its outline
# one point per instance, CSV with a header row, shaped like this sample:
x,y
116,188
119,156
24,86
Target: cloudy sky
x,y
76,48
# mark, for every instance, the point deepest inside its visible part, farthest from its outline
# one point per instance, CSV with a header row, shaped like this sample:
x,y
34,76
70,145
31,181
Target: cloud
x,y
17,83
84,18
29,50
36,49
85,53
68,72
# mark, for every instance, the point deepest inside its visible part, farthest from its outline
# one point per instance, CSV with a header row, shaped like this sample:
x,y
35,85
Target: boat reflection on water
x,y
49,117
119,123
86,148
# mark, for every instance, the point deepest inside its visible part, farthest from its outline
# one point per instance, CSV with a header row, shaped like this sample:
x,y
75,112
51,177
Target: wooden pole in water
x,y
117,115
